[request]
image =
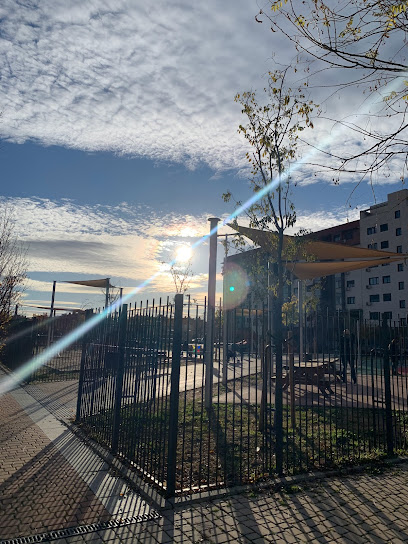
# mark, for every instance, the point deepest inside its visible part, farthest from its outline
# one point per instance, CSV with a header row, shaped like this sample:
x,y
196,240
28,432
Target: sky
x,y
119,137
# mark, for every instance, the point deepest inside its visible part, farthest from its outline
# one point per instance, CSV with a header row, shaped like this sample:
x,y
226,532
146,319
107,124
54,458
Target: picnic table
x,y
320,373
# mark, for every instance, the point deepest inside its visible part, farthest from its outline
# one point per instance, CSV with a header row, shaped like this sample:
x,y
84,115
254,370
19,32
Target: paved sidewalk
x,y
50,481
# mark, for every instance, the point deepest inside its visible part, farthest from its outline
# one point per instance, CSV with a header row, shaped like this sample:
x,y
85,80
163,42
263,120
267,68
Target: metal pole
x,y
174,396
209,351
291,380
387,389
120,369
224,326
50,324
343,292
120,299
85,339
107,293
52,299
269,306
300,300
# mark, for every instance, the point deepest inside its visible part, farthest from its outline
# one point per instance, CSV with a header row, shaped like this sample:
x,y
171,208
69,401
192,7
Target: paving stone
x,y
39,489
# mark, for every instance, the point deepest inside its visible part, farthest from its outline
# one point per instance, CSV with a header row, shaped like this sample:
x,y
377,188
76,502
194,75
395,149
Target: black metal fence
x,y
142,389
28,338
142,393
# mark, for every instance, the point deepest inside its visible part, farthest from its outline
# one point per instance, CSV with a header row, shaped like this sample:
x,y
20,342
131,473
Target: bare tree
x,y
272,130
181,274
364,43
13,266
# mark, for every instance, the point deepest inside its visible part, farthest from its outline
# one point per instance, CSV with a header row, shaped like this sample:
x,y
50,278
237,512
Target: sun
x,y
183,254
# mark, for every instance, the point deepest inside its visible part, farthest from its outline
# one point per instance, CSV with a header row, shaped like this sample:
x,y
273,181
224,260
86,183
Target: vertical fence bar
x,y
387,387
174,397
119,378
209,348
85,338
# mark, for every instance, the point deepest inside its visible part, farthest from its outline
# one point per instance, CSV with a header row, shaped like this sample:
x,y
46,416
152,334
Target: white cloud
x,y
156,82
69,241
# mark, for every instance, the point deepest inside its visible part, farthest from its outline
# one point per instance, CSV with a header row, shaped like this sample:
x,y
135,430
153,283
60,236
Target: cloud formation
x,y
154,81
69,241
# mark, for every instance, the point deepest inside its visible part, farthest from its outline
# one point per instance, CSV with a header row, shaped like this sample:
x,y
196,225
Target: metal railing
x,y
344,394
28,338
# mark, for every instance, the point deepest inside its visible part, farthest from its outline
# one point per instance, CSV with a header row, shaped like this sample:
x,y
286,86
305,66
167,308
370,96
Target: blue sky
x,y
119,136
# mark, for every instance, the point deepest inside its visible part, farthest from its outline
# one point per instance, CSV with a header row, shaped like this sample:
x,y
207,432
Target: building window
x,y
400,267
398,231
386,279
387,315
397,214
351,300
402,303
384,227
336,238
373,281
338,283
348,234
403,321
371,230
374,298
384,244
386,264
372,246
399,249
375,315
401,285
387,297
350,283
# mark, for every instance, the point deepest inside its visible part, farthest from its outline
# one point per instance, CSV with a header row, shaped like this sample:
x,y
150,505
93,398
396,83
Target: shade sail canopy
x,y
342,258
297,248
55,308
93,283
309,271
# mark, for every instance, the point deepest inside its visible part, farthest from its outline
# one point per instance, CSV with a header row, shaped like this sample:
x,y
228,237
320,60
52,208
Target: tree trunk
x,y
278,335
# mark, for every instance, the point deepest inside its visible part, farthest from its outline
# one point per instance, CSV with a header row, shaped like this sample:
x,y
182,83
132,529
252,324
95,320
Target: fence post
x,y
174,397
387,387
88,315
291,361
119,378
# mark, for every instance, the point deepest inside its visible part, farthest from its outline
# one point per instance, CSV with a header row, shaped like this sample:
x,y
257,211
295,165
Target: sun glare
x,y
183,254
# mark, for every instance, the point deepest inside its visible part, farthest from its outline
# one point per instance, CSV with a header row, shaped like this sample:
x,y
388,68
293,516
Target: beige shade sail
x,y
296,247
92,283
309,271
55,308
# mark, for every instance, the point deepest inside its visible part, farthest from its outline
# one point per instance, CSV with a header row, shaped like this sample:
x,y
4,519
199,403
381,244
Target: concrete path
x,y
53,489
50,482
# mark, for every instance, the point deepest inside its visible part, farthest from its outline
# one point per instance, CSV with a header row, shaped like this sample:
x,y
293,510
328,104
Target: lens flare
x,y
24,372
236,285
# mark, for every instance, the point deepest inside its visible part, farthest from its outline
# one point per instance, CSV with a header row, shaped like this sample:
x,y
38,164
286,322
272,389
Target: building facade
x,y
382,289
370,293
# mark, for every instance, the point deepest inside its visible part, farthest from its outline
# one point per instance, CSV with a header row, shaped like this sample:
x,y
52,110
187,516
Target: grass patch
x,y
224,446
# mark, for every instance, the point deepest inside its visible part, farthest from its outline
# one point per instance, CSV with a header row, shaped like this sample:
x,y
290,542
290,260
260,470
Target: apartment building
x,y
381,289
368,293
